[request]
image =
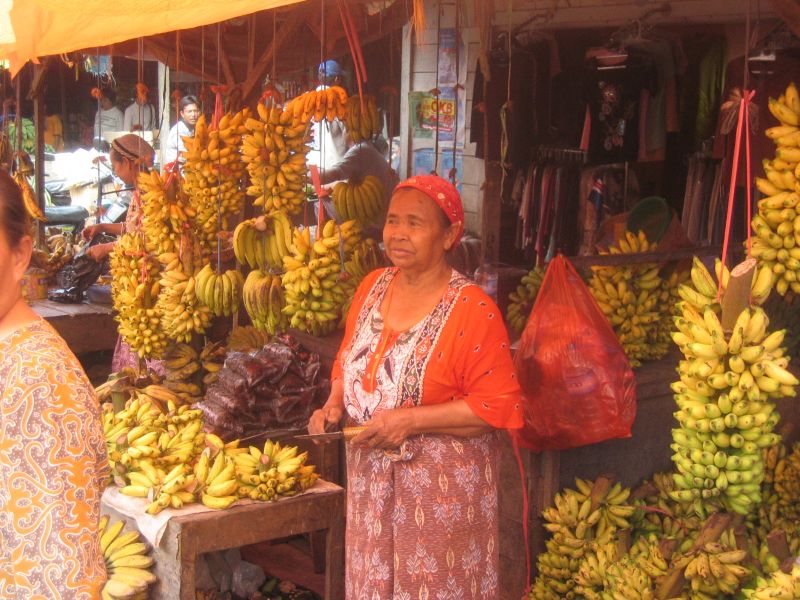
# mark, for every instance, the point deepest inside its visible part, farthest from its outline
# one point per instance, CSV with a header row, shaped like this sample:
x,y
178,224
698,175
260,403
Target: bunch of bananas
x,y
135,290
329,103
182,312
165,211
181,362
777,224
579,518
360,200
212,359
28,195
245,339
778,586
312,282
630,576
784,313
262,242
365,258
787,484
629,298
59,251
666,517
212,173
217,479
272,472
727,379
520,301
264,301
715,569
275,150
669,299
221,292
362,119
127,563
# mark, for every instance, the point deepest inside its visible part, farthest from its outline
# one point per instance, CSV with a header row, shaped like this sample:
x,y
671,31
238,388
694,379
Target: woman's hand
x,y
387,430
92,230
100,251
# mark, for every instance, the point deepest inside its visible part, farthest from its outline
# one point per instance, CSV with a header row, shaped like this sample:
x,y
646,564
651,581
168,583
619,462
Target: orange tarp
x,y
36,28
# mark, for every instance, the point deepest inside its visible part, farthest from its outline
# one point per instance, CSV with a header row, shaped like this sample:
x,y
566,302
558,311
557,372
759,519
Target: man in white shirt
x,y
140,116
328,146
108,117
189,108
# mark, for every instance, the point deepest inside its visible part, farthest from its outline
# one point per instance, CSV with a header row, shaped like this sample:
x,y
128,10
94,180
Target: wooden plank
x,y
85,327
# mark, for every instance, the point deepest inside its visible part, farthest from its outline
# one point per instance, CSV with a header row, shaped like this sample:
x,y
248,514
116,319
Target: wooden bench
x,y
86,327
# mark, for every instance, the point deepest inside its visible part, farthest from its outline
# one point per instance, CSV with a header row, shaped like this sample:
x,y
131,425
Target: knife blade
x,y
347,433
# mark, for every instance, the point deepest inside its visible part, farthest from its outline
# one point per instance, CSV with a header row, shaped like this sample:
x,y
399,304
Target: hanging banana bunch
x,y
264,301
360,200
521,301
212,174
135,289
275,149
629,297
362,124
221,292
777,224
727,381
28,196
166,212
312,283
326,104
262,242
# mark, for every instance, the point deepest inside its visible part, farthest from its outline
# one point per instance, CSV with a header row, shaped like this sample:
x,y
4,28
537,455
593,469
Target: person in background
x,y
140,115
425,366
328,145
53,466
54,131
108,117
189,109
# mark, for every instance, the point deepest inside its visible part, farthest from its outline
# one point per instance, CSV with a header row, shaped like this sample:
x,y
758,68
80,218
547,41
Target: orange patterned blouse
x,y
53,468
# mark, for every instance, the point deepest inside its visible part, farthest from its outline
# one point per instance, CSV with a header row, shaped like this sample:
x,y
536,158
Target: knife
x,y
347,433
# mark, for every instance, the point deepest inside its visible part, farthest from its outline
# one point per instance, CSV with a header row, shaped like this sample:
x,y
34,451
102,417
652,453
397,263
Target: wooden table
x,y
85,327
189,536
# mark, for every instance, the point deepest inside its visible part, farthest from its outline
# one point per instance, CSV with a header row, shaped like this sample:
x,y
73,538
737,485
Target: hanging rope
x,y
436,94
453,170
315,174
215,124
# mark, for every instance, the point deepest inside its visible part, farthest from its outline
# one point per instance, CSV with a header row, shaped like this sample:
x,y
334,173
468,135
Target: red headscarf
x,y
443,193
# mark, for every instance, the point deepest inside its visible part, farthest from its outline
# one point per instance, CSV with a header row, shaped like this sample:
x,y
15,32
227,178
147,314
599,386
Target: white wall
x,y
419,53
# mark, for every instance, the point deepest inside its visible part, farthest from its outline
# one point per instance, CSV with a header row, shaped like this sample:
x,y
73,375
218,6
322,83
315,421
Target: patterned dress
x,y
53,468
422,520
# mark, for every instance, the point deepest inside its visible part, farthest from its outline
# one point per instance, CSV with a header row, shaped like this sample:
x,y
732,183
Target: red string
x,y
355,49
747,96
749,178
315,180
525,509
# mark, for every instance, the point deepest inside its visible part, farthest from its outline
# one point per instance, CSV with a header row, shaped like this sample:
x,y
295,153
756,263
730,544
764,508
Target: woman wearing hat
x,y
425,366
130,155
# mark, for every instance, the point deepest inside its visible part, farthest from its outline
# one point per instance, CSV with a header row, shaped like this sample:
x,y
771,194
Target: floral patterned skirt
x,y
423,524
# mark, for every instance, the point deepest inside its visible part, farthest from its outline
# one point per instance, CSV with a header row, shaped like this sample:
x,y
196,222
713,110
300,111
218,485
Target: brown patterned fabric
x,y
53,467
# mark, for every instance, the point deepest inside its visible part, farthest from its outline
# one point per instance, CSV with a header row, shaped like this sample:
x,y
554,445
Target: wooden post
x,y
737,295
39,124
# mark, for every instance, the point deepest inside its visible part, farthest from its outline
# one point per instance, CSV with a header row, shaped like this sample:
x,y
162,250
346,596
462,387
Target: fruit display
x,y
264,301
777,225
362,119
277,386
326,104
360,200
211,358
724,396
274,471
220,292
135,290
213,171
127,562
312,281
182,312
778,586
262,242
168,459
274,149
165,211
520,301
714,569
59,251
629,297
245,339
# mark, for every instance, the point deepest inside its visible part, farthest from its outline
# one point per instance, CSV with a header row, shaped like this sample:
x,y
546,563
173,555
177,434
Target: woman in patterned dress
x,y
53,463
425,365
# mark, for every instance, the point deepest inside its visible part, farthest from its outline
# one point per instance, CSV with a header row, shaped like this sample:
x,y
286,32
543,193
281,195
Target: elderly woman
x,y
425,366
53,463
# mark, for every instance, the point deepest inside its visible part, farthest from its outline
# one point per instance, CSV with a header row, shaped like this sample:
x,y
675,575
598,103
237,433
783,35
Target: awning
x,y
35,28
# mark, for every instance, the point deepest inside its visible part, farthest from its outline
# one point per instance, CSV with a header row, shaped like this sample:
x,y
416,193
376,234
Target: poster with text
x,y
424,164
429,113
449,58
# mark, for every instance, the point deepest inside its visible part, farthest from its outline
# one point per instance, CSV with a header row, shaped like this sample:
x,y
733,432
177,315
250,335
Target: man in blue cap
x,y
329,145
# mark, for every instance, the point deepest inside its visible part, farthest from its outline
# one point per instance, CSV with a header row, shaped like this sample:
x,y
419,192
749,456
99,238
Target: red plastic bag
x,y
579,386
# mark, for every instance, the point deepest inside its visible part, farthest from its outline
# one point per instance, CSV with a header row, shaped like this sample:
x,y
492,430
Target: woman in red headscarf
x,y
425,366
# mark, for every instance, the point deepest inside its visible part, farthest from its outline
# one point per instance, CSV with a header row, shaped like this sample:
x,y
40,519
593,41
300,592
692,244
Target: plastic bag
x,y
578,383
